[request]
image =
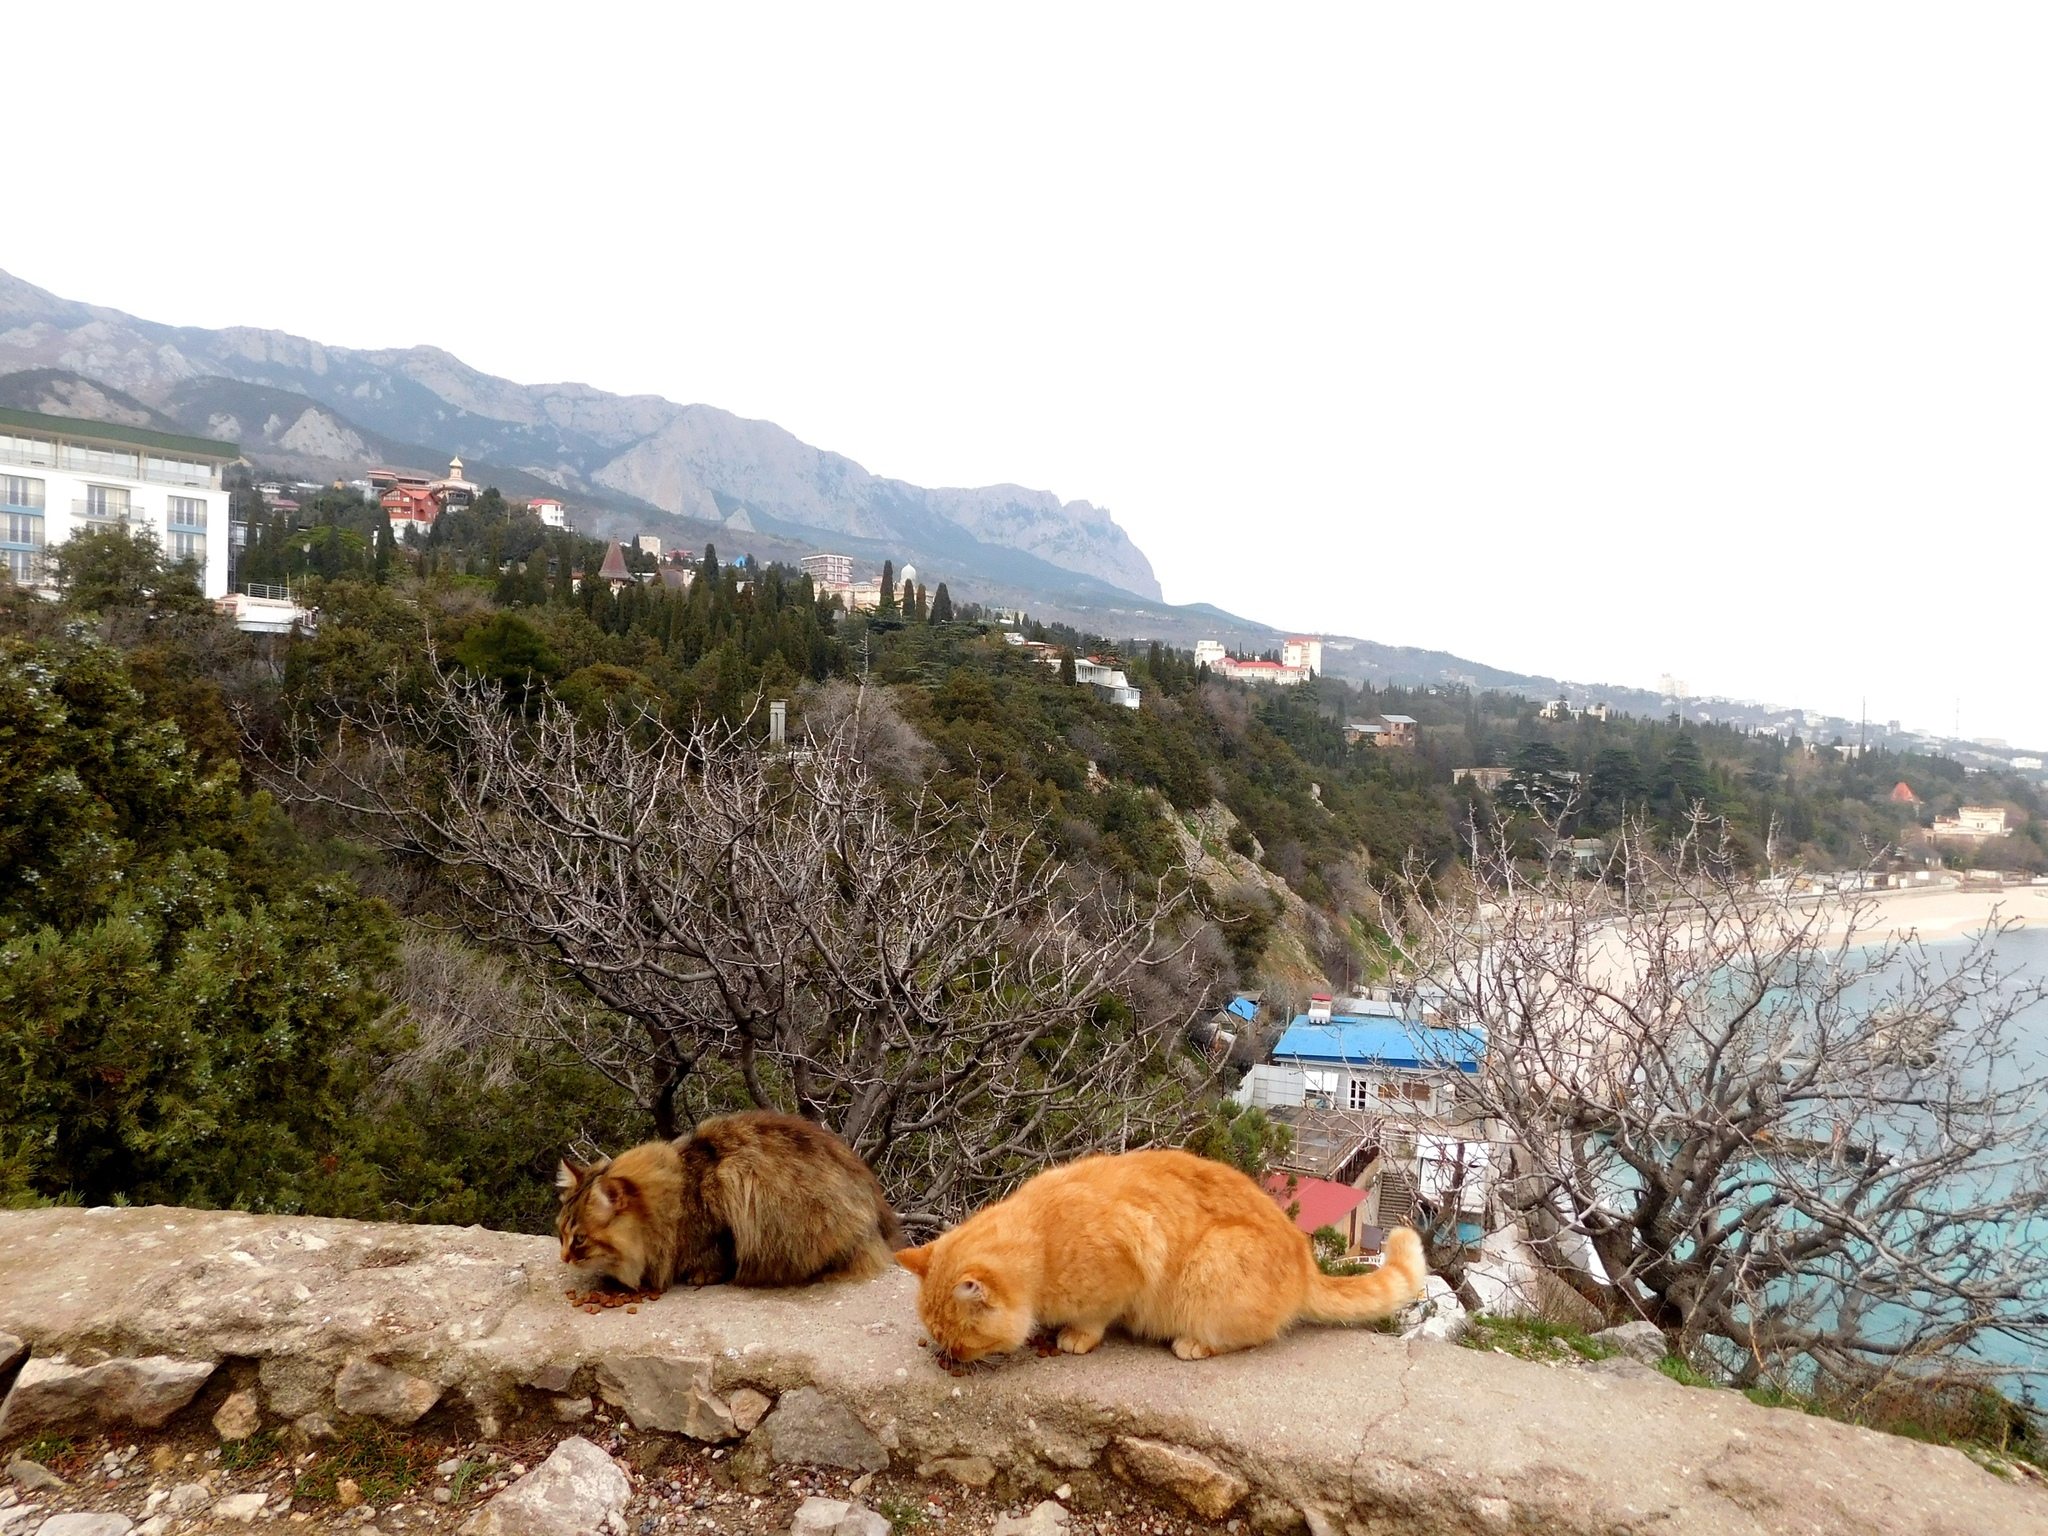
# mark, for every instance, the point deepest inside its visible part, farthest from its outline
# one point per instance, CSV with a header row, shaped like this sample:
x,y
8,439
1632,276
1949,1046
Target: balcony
x,y
97,512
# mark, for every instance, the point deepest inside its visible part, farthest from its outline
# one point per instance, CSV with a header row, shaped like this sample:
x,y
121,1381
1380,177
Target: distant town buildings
x,y
60,476
650,544
550,512
1301,658
1971,823
1395,730
1488,779
413,503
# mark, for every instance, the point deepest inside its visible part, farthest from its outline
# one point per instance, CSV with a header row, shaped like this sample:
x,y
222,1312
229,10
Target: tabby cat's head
x,y
602,1222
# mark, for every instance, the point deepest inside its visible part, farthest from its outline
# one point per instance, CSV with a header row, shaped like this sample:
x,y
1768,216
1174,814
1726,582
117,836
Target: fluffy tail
x,y
1361,1298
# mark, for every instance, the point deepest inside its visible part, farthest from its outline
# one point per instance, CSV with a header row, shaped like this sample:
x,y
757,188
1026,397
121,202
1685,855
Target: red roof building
x,y
1902,792
1322,1204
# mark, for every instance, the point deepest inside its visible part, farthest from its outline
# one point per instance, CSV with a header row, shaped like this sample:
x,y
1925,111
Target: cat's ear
x,y
618,1191
567,1174
971,1293
916,1260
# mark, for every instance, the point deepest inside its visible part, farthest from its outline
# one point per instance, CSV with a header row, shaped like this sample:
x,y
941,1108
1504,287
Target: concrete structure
x,y
1300,659
259,609
60,476
1304,653
650,544
1971,823
552,513
1488,779
833,572
1395,730
1106,680
467,1334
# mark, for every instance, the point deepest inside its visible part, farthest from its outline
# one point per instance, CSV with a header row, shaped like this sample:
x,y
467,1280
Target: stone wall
x,y
140,1314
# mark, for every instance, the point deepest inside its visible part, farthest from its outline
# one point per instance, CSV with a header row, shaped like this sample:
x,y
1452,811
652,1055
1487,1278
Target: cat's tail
x,y
1361,1298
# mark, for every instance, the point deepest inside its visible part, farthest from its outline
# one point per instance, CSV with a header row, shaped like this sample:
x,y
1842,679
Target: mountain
x,y
620,453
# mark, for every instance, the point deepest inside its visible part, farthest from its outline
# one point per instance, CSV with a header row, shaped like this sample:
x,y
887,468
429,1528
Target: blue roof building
x,y
1380,1041
1244,1008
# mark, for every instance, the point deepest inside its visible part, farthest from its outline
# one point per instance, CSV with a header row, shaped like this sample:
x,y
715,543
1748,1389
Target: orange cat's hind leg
x,y
1077,1340
1189,1348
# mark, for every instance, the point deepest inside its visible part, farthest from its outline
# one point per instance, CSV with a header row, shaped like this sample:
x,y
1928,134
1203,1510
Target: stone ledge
x,y
1328,1430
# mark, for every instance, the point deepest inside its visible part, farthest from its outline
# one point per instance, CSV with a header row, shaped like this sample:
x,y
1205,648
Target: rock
x,y
967,1471
240,1506
810,1429
144,1391
578,1489
1048,1519
347,1492
379,1392
239,1417
573,1410
312,1426
661,1392
295,1387
87,1525
155,1525
186,1499
837,1517
1438,1314
708,1418
11,1351
1642,1341
1208,1489
747,1406
34,1476
1274,1517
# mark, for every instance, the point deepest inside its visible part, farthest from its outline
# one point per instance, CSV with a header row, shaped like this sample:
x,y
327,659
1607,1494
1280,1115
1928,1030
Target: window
x,y
188,546
23,528
105,502
21,491
100,461
1361,1093
24,565
179,471
26,450
1319,1086
188,512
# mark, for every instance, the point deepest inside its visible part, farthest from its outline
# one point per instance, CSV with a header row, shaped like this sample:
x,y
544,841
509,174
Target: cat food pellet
x,y
632,1309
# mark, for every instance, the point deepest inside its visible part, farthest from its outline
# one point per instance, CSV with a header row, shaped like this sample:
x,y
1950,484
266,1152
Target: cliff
x,y
1327,1431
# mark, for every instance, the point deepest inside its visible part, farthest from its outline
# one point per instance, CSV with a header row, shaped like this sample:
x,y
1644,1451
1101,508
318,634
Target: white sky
x,y
1599,341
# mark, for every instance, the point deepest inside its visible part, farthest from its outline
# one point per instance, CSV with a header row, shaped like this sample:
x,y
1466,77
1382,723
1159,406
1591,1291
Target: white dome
x,y
909,575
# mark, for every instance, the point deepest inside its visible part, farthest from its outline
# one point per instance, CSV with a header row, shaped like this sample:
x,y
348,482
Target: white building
x,y
550,512
830,571
60,476
1208,652
1304,653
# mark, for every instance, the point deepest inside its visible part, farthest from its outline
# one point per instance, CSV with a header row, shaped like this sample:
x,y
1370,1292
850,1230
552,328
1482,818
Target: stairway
x,y
1397,1196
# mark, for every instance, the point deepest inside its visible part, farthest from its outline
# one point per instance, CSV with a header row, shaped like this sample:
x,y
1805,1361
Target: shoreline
x,y
1951,911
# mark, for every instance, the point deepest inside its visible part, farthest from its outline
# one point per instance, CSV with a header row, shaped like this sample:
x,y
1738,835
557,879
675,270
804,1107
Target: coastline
x,y
1951,911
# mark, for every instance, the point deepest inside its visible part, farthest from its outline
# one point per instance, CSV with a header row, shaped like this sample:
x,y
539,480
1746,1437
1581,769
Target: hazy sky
x,y
1601,341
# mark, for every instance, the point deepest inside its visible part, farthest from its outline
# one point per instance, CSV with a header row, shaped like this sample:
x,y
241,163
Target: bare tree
x,y
1810,1147
942,992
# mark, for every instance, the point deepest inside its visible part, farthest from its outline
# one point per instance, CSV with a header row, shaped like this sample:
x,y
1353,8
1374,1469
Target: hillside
x,y
616,451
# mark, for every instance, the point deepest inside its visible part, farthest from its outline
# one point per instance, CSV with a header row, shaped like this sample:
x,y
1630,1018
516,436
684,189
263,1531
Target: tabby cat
x,y
1166,1245
755,1198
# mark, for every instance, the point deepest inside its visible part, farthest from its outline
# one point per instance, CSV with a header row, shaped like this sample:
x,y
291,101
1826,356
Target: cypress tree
x,y
1067,666
942,605
885,600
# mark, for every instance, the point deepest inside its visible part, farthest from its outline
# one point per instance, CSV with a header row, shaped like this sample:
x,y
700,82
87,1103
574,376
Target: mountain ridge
x,y
625,451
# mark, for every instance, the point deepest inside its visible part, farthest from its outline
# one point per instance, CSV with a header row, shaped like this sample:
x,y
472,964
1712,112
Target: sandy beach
x,y
1956,911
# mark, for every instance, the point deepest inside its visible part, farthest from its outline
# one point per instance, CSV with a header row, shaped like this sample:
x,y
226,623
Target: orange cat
x,y
1166,1244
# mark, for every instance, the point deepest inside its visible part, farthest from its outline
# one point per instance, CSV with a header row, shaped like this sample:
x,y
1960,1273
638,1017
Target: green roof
x,y
118,435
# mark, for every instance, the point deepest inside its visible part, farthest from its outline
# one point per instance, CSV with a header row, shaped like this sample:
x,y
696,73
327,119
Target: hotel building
x,y
59,476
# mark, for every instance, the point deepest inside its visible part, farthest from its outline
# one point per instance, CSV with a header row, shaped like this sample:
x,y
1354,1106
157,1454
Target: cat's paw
x,y
1078,1341
1192,1349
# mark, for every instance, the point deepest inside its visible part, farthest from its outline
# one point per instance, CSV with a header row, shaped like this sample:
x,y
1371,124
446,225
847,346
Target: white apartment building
x,y
60,476
1304,652
826,570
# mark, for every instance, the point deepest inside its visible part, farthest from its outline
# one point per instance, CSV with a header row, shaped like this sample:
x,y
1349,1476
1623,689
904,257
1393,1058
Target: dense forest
x,y
211,997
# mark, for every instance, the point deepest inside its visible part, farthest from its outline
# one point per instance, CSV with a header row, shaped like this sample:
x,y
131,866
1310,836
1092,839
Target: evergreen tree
x,y
921,610
885,600
942,606
1067,666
